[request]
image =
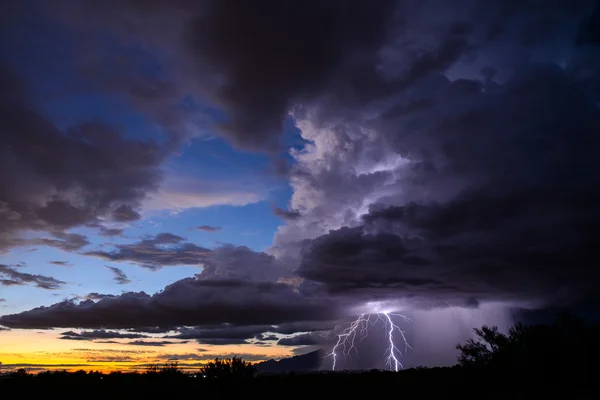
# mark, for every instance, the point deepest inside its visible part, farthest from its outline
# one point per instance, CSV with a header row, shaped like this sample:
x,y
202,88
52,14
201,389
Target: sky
x,y
182,180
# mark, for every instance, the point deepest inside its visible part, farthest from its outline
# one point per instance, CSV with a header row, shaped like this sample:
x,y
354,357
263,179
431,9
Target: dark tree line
x,y
567,348
561,353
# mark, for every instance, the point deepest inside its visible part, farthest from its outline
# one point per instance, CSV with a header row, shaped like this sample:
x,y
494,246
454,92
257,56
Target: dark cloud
x,y
267,58
236,286
61,263
255,69
211,356
99,334
159,343
10,276
19,264
222,341
521,178
103,351
589,33
110,359
152,329
240,262
155,252
68,337
305,339
265,338
225,262
448,156
286,214
97,296
54,180
64,241
110,232
119,276
303,326
125,213
188,302
252,357
208,228
235,332
104,230
183,357
231,334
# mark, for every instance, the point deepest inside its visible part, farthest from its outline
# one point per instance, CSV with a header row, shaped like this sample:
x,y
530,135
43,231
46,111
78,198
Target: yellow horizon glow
x,y
46,350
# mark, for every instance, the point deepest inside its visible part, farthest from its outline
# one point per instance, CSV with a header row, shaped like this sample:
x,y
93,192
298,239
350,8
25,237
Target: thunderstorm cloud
x,y
448,158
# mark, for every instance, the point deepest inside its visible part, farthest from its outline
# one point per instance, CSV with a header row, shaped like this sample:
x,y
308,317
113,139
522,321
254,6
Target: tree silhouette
x,y
152,369
566,347
169,369
228,368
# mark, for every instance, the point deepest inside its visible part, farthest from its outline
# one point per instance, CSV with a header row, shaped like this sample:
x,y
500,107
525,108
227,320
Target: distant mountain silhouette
x,y
302,363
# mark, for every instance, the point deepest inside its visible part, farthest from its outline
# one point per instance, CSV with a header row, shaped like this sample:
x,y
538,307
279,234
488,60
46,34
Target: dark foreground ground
x,y
456,381
559,360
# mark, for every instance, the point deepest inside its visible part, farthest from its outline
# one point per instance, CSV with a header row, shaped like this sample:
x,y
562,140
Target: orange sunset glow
x,y
41,350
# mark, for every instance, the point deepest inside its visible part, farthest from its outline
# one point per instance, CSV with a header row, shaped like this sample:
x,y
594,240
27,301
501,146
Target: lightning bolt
x,y
359,329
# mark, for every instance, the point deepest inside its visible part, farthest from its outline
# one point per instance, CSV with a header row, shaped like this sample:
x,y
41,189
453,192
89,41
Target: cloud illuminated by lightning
x,y
359,329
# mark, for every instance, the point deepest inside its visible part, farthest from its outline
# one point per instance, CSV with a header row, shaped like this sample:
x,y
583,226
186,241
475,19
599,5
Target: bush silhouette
x,y
169,369
228,368
568,346
152,369
482,351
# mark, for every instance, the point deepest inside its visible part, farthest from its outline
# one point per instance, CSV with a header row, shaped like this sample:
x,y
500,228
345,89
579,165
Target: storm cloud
x,y
305,339
229,334
467,185
448,156
254,61
188,302
223,262
518,206
54,180
99,334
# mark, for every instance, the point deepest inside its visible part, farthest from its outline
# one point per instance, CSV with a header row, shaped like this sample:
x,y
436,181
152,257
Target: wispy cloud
x,y
110,359
40,367
180,193
11,277
61,263
119,276
99,334
208,228
156,251
212,356
151,344
179,201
